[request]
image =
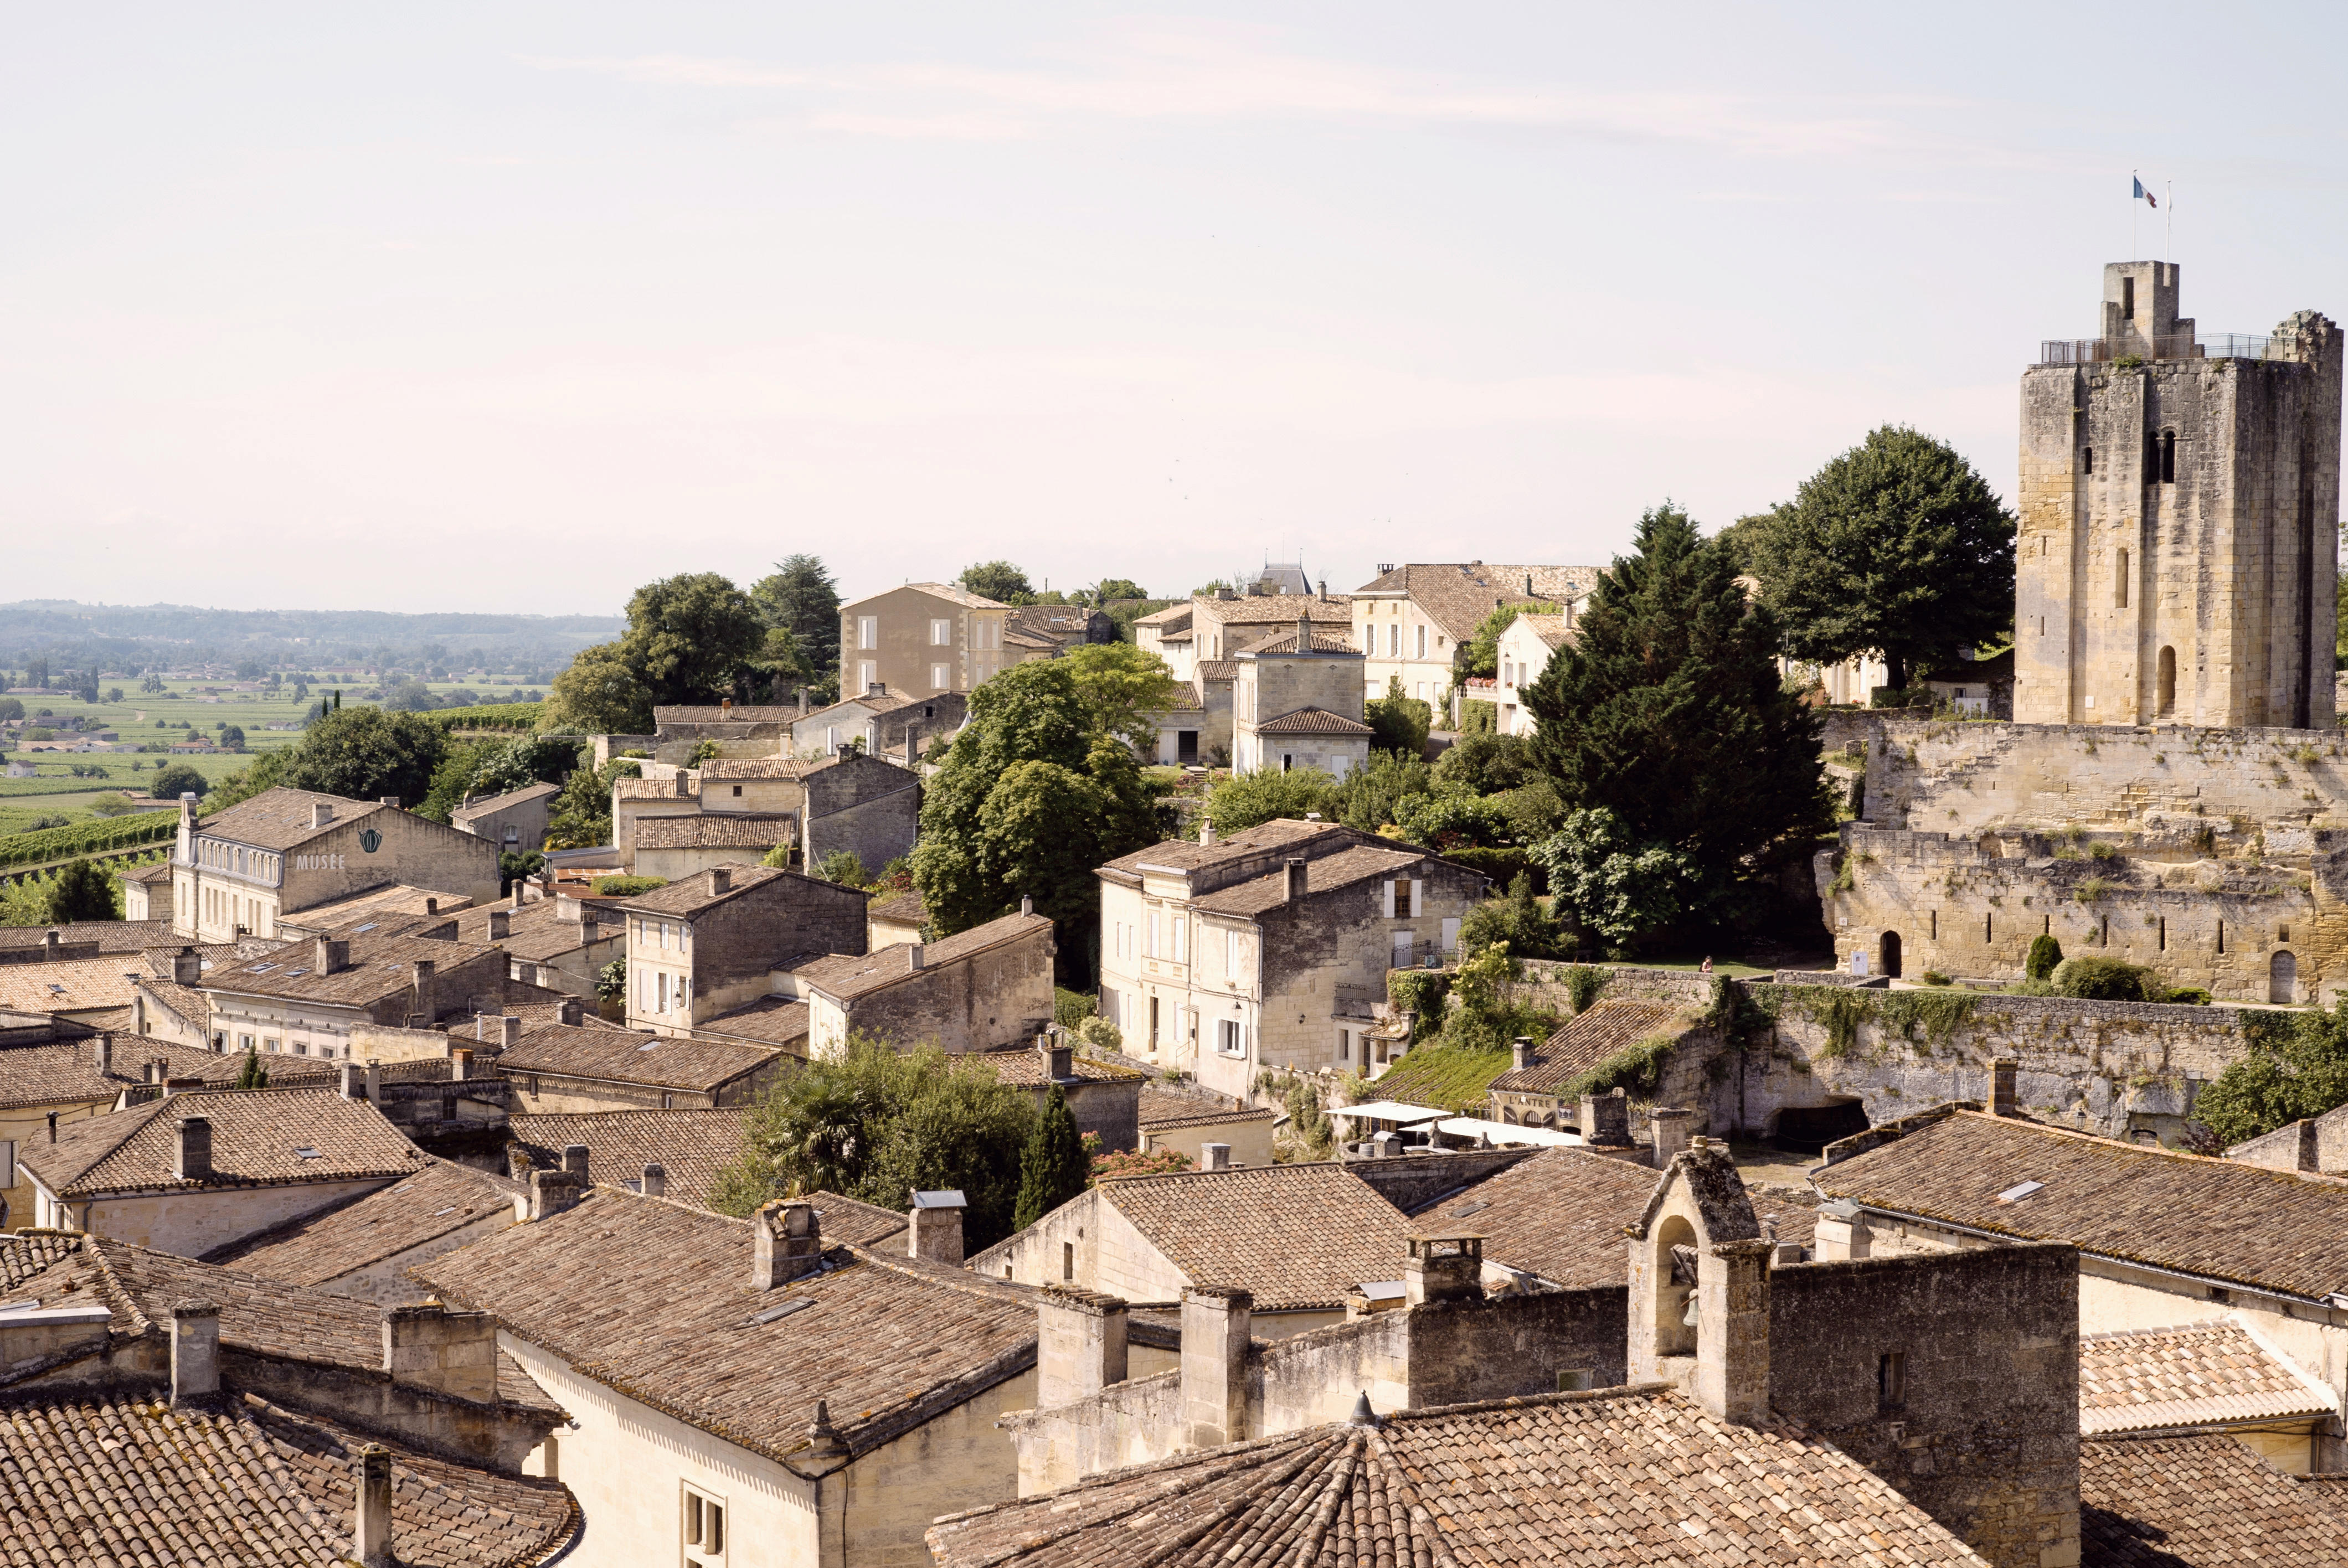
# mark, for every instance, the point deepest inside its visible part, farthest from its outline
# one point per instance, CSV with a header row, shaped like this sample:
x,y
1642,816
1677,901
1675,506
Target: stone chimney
x,y
373,1078
575,1157
913,955
460,1063
187,968
1439,1267
1206,830
933,1228
721,880
2002,1071
803,702
1215,1324
104,1047
509,1032
187,811
1671,1132
1026,903
1384,1146
331,954
684,786
1841,1234
656,1181
1304,634
725,710
1732,1335
392,801
1324,594
566,907
426,1346
1606,1121
422,987
551,1192
568,1011
371,1534
354,1086
1080,1346
1214,1156
49,942
195,1351
1292,888
786,1242
432,906
195,1150
1521,1053
500,925
322,812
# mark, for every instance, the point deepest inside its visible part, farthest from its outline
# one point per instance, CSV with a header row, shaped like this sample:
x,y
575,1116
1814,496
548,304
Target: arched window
x,y
2168,689
1674,1263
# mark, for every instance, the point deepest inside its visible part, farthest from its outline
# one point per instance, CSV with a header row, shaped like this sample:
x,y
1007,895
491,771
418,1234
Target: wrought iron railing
x,y
2104,350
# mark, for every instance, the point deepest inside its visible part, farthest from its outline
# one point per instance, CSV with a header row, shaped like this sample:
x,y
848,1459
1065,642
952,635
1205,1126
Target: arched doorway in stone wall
x,y
1888,952
2283,979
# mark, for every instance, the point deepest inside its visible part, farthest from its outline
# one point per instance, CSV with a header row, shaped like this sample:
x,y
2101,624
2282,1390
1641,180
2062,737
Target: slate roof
x,y
652,1299
1459,595
620,1056
64,1072
278,819
536,932
1028,1069
91,1479
1161,1111
845,976
1559,1214
759,831
2220,1219
769,1021
379,966
497,803
1334,1230
1620,1476
691,895
1362,863
441,1197
2202,1502
67,985
692,1145
111,936
256,1137
2202,1374
1313,721
1589,1037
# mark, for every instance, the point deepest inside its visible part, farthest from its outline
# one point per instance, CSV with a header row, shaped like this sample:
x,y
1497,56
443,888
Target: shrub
x,y
1582,984
173,779
1099,1031
1070,1008
2045,953
627,886
843,867
2101,979
1517,919
1935,978
1156,1163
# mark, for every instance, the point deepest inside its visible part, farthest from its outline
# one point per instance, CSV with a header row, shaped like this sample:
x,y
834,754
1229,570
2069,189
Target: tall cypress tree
x,y
1668,709
1052,1168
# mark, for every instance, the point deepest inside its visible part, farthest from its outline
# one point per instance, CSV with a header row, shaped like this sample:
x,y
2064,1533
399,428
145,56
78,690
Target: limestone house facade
x,y
678,822
1267,948
305,999
887,921
1104,1097
1222,627
573,1069
1297,702
921,638
1167,633
1183,1124
724,938
676,847
2179,540
147,892
981,990
1066,625
237,872
1524,653
193,1172
1411,621
558,943
515,821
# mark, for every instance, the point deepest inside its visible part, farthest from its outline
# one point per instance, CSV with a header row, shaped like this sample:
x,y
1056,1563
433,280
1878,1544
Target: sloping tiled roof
x,y
1188,853
537,932
1162,1110
257,1138
1031,1070
1621,1476
149,875
1362,863
1313,721
64,1073
497,803
192,1006
1285,642
652,1299
769,1021
442,1197
1459,595
67,985
760,768
1554,630
2203,1374
692,1146
691,895
383,909
22,1257
111,936
99,1480
1271,609
656,789
713,713
2216,1218
480,1030
379,966
280,818
904,909
1589,1037
1559,1214
847,975
1213,670
1334,1230
2202,1502
951,593
718,830
619,1056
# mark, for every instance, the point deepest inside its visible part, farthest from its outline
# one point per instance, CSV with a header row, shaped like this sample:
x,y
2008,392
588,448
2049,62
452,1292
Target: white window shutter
x,y
1415,884
1389,899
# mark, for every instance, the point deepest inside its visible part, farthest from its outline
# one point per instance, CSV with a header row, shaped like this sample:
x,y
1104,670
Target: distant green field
x,y
136,719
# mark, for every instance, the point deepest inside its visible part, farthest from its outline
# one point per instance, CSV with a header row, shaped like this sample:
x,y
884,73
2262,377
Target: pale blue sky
x,y
507,307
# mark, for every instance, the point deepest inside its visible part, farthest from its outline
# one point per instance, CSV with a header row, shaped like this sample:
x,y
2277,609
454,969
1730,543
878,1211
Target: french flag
x,y
2146,196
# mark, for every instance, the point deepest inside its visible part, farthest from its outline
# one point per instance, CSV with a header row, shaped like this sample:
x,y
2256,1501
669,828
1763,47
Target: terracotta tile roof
x,y
769,1021
712,713
1622,1476
381,910
1285,642
257,1136
718,830
691,895
1592,1035
2202,1502
1073,620
481,1029
1313,721
655,789
760,767
1458,597
379,966
872,704
192,1006
67,985
1013,636
537,932
280,818
1171,616
2216,1218
1274,610
904,909
1559,1214
692,1145
1188,853
1334,1230
1211,670
1328,873
64,1073
845,976
2203,1374
23,1254
1162,1110
1028,1069
497,803
109,1480
441,1197
619,1056
155,872
953,592
1554,630
111,936
851,1223
652,1299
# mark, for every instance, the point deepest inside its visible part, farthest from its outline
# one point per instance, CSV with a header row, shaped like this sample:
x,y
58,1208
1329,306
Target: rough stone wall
x,y
408,849
995,998
737,942
863,804
1414,1182
1111,1109
956,1461
1984,1434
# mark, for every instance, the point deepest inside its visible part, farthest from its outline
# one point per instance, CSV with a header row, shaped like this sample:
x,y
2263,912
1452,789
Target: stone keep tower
x,y
2180,519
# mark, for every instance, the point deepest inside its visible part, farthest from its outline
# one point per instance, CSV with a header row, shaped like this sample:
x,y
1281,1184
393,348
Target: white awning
x,y
1387,1111
1502,1133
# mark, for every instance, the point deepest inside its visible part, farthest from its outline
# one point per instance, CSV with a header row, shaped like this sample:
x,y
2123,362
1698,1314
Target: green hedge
x,y
521,717
88,837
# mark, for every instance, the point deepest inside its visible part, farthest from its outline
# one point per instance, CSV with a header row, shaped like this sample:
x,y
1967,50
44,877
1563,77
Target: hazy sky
x,y
514,306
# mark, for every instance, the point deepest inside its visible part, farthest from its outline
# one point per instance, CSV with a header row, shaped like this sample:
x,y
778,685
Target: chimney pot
x,y
1214,1382
104,1047
460,1064
1671,1132
1523,1052
1026,903
574,1161
1214,1156
933,1227
786,1242
566,907
1605,1121
432,906
509,1032
1292,886
321,813
682,785
568,1011
332,955
187,966
656,1182
551,1192
913,955
372,1536
1080,1345
49,941
195,1162
1443,1268
2002,1071
426,1346
1206,830
195,1351
354,1086
720,880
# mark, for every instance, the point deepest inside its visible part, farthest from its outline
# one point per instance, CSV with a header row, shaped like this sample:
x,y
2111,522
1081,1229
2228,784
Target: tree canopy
x,y
1119,685
2297,1067
363,753
801,597
997,580
81,891
1052,1167
1896,547
1480,656
690,636
599,694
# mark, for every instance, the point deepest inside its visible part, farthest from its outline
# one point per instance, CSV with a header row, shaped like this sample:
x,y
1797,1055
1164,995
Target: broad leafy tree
x,y
691,636
1052,1167
801,597
1248,800
2296,1069
997,580
1120,686
599,694
1896,547
363,753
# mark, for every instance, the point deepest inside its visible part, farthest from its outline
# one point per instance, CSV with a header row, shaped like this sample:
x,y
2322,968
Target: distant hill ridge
x,y
60,624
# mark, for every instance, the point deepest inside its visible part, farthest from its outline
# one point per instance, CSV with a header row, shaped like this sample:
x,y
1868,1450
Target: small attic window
x,y
305,1152
648,1045
781,1310
2015,1194
363,931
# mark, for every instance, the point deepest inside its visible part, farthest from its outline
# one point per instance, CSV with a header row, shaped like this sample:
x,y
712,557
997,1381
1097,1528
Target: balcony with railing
x,y
2185,345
